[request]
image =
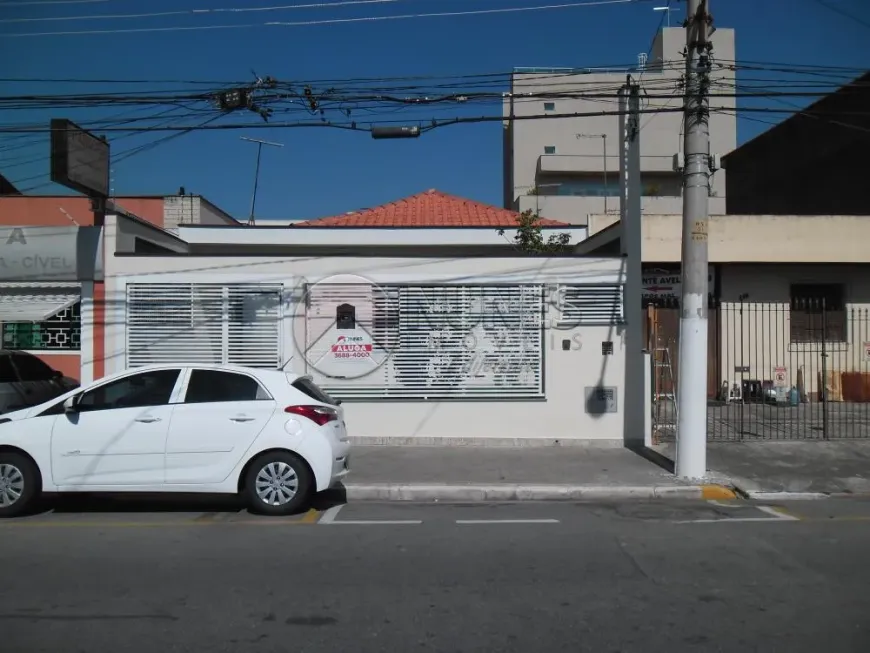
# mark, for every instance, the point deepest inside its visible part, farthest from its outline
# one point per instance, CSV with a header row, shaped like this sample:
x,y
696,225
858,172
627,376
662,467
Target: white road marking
x,y
776,515
329,515
329,519
507,521
375,522
722,504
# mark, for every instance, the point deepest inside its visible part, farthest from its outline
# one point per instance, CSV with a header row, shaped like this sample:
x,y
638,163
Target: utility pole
x,y
691,458
260,145
631,240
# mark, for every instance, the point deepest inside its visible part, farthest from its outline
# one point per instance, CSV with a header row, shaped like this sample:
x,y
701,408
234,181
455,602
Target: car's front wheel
x,y
20,484
278,483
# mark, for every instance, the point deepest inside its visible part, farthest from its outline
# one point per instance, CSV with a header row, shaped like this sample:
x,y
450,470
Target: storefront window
x,y
62,332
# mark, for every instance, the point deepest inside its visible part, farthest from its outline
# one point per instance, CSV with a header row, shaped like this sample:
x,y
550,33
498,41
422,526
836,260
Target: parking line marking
x,y
507,521
329,516
375,522
329,519
779,513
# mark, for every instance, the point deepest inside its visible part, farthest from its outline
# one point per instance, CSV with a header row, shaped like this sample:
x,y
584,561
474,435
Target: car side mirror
x,y
71,404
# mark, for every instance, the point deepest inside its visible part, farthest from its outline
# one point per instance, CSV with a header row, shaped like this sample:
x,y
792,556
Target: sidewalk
x,y
480,473
812,468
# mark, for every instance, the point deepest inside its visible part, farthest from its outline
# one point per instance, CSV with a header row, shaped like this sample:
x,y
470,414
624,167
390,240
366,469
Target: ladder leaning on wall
x,y
664,395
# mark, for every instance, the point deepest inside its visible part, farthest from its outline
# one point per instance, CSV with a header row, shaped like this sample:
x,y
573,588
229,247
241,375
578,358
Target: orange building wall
x,y
63,211
48,211
69,364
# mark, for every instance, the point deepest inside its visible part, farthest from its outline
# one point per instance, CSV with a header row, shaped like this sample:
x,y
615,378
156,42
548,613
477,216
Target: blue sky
x,y
323,171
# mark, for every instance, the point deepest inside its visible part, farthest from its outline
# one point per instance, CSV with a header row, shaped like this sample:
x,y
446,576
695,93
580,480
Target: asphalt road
x,y
605,578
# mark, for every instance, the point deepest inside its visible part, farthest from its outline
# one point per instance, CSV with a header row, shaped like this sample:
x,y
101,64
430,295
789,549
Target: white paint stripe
x,y
723,504
507,521
727,521
374,522
776,513
329,515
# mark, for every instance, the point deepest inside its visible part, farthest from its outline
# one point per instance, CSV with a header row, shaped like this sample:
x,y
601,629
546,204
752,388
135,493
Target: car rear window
x,y
310,388
31,368
7,372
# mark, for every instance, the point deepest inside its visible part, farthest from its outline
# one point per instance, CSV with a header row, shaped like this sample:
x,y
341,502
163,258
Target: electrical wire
x,y
200,12
329,21
126,154
843,12
36,3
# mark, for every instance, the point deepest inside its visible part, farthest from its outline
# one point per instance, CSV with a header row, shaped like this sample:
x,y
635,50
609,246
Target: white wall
x,y
567,372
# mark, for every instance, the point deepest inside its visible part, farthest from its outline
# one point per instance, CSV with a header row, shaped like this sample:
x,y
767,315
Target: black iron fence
x,y
793,371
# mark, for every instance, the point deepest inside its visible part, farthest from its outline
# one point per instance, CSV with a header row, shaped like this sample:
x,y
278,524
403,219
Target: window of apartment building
x,y
549,106
61,332
549,149
817,313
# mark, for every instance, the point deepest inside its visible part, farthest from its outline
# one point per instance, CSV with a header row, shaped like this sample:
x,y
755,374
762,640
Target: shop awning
x,y
27,302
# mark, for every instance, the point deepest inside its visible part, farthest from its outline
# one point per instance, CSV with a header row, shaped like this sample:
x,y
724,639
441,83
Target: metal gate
x,y
798,371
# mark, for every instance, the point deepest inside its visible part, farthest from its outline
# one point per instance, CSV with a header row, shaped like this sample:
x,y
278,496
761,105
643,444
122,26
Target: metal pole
x,y
256,182
606,189
634,417
260,145
691,458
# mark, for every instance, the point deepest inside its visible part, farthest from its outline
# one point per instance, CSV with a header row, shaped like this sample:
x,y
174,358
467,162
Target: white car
x,y
274,437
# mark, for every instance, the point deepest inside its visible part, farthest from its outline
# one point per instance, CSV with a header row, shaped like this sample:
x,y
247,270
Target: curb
x,y
472,493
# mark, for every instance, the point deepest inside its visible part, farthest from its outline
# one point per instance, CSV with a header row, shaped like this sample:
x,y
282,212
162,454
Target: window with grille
x,y
60,332
235,324
434,342
817,313
589,305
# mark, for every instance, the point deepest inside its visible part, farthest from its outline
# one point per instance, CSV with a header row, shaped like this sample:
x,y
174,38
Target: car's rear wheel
x,y
20,484
278,483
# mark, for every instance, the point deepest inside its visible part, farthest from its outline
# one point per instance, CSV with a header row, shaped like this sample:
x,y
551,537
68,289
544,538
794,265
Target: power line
x,y
355,126
35,3
330,21
199,12
843,12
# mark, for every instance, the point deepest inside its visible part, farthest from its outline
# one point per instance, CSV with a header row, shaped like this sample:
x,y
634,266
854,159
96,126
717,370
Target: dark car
x,y
27,381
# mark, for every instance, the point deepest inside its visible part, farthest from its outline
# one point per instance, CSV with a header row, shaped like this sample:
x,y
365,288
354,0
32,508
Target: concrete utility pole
x,y
691,456
260,145
631,241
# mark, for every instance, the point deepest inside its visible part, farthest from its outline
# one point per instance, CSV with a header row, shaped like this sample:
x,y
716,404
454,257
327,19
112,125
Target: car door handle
x,y
242,418
147,420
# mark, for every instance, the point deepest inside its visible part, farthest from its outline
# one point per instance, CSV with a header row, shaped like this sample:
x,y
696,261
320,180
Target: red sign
x,y
351,347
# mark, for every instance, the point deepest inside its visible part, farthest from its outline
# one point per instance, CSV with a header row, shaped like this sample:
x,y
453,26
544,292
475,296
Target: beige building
x,y
790,307
568,168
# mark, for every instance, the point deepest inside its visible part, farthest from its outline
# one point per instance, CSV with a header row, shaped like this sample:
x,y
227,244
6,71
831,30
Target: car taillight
x,y
320,415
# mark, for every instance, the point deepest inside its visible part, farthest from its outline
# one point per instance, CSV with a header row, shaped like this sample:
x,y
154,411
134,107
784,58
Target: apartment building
x,y
568,168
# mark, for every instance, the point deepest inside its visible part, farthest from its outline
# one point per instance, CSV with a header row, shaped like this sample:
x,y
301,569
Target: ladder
x,y
664,395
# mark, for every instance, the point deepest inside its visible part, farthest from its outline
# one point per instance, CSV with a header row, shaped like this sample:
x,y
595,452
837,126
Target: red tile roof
x,y
429,209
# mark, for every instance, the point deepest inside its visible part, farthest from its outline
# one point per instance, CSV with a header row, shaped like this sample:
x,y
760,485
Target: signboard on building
x,y
79,159
662,284
780,377
352,347
42,254
865,349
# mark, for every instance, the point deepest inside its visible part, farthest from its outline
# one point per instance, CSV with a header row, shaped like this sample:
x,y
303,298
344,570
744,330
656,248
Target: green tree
x,y
530,239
